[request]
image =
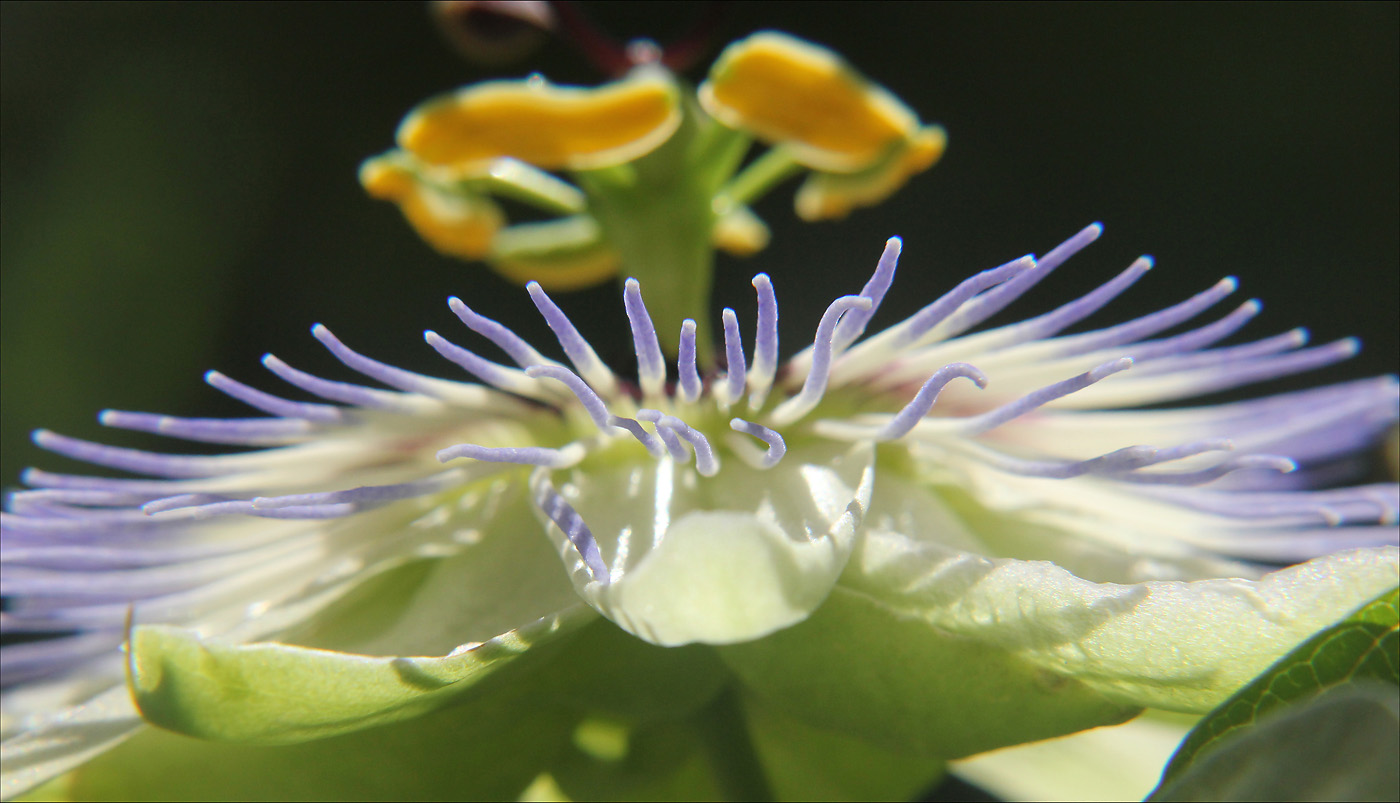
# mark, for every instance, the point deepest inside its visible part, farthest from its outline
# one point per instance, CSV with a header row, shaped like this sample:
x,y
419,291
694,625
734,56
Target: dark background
x,y
179,184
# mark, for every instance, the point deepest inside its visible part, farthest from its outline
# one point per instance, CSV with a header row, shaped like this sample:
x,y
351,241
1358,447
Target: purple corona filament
x,y
572,525
923,401
651,367
512,344
736,378
770,437
765,343
510,380
984,306
852,326
343,392
690,385
524,455
579,352
822,352
991,420
270,404
674,447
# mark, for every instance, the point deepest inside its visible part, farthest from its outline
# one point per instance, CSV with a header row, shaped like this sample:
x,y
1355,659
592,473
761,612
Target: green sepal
x,y
1364,646
488,748
847,668
279,694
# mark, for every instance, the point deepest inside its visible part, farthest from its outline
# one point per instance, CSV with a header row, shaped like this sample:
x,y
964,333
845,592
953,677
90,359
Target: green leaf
x,y
1341,745
280,694
1363,646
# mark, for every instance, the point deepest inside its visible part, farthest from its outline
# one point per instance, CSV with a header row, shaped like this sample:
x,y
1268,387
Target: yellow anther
x,y
458,224
824,196
548,126
803,96
739,232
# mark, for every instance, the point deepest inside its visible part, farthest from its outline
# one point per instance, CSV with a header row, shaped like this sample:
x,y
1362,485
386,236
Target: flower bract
x,y
931,541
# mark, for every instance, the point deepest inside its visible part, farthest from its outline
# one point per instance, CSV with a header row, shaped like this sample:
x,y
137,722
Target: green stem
x,y
663,236
657,212
725,735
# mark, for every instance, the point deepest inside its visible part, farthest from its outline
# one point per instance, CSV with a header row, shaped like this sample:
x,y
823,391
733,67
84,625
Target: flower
x,y
932,543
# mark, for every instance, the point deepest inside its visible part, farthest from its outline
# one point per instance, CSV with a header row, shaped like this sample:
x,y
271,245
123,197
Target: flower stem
x,y
657,212
731,751
663,236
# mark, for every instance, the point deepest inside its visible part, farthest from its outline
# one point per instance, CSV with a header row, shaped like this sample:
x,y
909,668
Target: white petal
x,y
1123,762
60,741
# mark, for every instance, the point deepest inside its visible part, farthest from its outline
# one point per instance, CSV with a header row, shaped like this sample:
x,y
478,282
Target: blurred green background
x,y
179,184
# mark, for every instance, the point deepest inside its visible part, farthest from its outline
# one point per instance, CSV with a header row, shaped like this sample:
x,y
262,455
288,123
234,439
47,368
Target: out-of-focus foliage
x,y
1319,724
1338,746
